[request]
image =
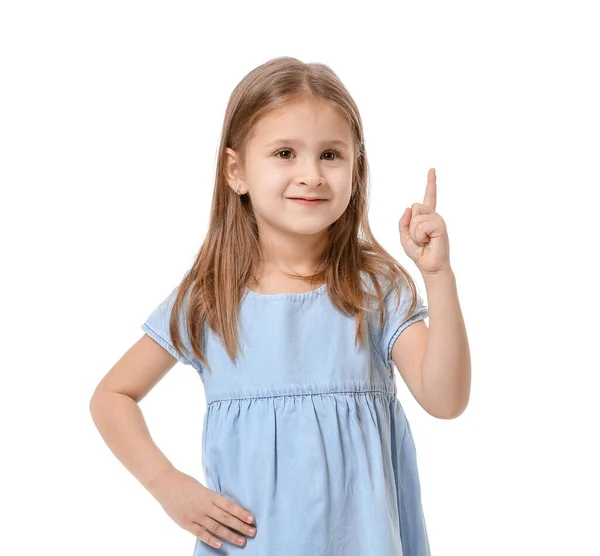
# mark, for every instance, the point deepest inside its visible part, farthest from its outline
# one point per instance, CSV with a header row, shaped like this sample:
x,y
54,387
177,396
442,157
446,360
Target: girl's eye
x,y
337,154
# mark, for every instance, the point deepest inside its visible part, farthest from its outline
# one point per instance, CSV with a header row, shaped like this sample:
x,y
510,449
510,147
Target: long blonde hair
x,y
214,286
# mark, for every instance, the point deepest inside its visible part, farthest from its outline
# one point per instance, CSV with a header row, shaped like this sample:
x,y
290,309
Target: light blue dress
x,y
306,431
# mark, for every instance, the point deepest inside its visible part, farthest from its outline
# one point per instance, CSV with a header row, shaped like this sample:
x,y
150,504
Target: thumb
x,y
404,224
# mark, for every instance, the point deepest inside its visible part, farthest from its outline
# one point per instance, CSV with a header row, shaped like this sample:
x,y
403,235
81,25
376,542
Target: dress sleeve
x,y
157,327
395,320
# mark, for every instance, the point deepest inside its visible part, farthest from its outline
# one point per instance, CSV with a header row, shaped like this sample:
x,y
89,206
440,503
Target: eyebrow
x,y
298,142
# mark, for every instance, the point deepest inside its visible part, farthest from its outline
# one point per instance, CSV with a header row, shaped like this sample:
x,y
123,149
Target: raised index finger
x,y
430,190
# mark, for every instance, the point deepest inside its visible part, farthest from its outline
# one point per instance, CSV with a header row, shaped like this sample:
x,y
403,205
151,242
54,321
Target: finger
x,y
204,535
233,509
212,526
431,190
217,527
404,225
225,517
421,228
420,208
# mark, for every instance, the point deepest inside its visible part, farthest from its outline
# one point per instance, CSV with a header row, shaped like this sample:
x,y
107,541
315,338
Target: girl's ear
x,y
232,169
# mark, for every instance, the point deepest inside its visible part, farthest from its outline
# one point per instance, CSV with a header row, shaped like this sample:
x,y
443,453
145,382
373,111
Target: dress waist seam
x,y
304,394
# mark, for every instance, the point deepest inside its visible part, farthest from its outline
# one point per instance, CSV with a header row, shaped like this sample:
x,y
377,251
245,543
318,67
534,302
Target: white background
x,y
110,115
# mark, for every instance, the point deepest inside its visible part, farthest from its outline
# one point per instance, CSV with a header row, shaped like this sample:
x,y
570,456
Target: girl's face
x,y
305,150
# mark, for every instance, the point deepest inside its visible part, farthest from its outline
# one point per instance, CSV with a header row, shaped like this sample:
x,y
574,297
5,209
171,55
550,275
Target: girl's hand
x,y
423,233
200,510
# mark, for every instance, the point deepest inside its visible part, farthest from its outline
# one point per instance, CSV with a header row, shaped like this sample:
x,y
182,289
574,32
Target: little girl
x,y
294,317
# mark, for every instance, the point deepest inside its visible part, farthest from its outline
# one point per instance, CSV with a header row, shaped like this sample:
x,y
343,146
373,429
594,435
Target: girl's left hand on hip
x,y
423,233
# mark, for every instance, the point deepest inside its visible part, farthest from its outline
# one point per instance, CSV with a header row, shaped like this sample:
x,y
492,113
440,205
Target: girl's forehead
x,y
300,111
295,123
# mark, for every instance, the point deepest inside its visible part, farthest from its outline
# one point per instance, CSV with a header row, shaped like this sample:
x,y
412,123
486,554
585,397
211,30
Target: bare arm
x,y
446,372
118,417
115,410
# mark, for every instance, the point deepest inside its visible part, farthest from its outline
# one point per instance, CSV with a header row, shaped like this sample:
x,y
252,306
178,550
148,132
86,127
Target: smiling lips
x,y
307,201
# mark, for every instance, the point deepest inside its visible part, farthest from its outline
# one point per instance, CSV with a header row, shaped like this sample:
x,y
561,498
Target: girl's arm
x,y
116,413
446,368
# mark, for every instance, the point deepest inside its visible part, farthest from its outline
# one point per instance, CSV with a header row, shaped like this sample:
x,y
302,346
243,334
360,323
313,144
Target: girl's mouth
x,y
306,202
